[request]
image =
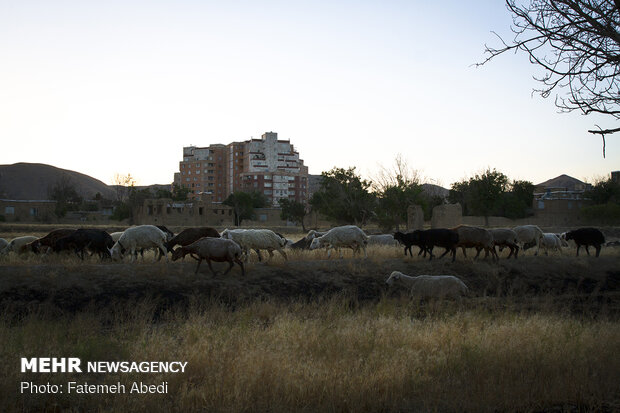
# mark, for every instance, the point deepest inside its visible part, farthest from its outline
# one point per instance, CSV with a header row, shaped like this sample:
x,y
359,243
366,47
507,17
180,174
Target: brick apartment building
x,y
268,165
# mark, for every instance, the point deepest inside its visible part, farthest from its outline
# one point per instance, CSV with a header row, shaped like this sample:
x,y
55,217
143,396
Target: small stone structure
x,y
447,216
415,217
165,211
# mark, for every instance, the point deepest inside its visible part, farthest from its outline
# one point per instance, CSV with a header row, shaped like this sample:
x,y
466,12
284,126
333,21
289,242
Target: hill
x,y
33,181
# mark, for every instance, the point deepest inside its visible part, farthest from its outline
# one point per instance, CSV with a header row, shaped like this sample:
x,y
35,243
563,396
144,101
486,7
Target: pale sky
x,y
121,86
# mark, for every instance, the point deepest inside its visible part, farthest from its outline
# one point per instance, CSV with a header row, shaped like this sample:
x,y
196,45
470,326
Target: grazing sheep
x,y
504,237
49,241
96,240
212,249
551,241
19,244
135,238
527,234
430,286
312,234
302,244
347,236
586,237
478,238
190,235
256,239
382,239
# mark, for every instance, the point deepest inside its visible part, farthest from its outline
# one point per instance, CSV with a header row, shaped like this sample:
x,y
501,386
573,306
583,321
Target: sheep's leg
x,y
511,251
238,261
478,249
229,268
445,252
430,252
598,249
578,246
198,266
453,254
464,253
210,267
270,251
409,251
259,256
365,253
587,252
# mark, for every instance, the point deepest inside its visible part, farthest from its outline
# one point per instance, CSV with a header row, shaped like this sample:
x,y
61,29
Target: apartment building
x,y
269,165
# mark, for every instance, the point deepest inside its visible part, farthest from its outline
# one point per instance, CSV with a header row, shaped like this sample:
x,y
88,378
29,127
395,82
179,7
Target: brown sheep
x,y
49,241
476,237
212,249
189,235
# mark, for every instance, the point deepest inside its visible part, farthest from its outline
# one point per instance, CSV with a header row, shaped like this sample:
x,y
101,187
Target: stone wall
x,y
447,216
415,217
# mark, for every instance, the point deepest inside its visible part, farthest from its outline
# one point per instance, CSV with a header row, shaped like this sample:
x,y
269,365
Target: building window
x,y
9,210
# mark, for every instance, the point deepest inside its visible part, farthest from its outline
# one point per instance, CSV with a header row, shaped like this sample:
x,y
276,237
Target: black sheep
x,y
586,237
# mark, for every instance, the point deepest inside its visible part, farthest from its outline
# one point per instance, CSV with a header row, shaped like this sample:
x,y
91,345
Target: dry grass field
x,y
311,334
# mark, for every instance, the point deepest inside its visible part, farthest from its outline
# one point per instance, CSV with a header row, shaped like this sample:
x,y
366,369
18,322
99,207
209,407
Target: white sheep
x,y
430,286
312,234
256,239
136,238
552,242
347,236
527,234
382,239
18,244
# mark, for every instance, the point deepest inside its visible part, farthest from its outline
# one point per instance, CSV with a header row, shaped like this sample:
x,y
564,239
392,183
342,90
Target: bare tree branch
x,y
577,43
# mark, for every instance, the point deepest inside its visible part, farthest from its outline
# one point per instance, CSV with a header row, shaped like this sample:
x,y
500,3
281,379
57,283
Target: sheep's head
x,y
316,243
117,251
394,276
178,253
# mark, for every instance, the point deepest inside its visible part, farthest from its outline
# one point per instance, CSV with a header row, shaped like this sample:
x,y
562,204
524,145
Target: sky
x,y
120,87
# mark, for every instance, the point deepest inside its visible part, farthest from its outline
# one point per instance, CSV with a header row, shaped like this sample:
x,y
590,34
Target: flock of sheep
x,y
234,246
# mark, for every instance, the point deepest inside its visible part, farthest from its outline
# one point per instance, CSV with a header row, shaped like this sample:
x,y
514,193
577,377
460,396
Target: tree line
x,y
344,197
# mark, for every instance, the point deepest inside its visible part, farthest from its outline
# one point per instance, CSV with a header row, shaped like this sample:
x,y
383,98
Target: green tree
x,y
65,195
605,198
396,188
293,211
344,197
482,194
244,203
603,192
179,193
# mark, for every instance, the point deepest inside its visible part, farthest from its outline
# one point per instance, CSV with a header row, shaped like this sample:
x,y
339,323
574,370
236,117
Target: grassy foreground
x,y
332,355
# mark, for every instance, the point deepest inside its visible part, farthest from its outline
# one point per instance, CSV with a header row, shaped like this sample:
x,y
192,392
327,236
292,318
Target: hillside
x,y
33,180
